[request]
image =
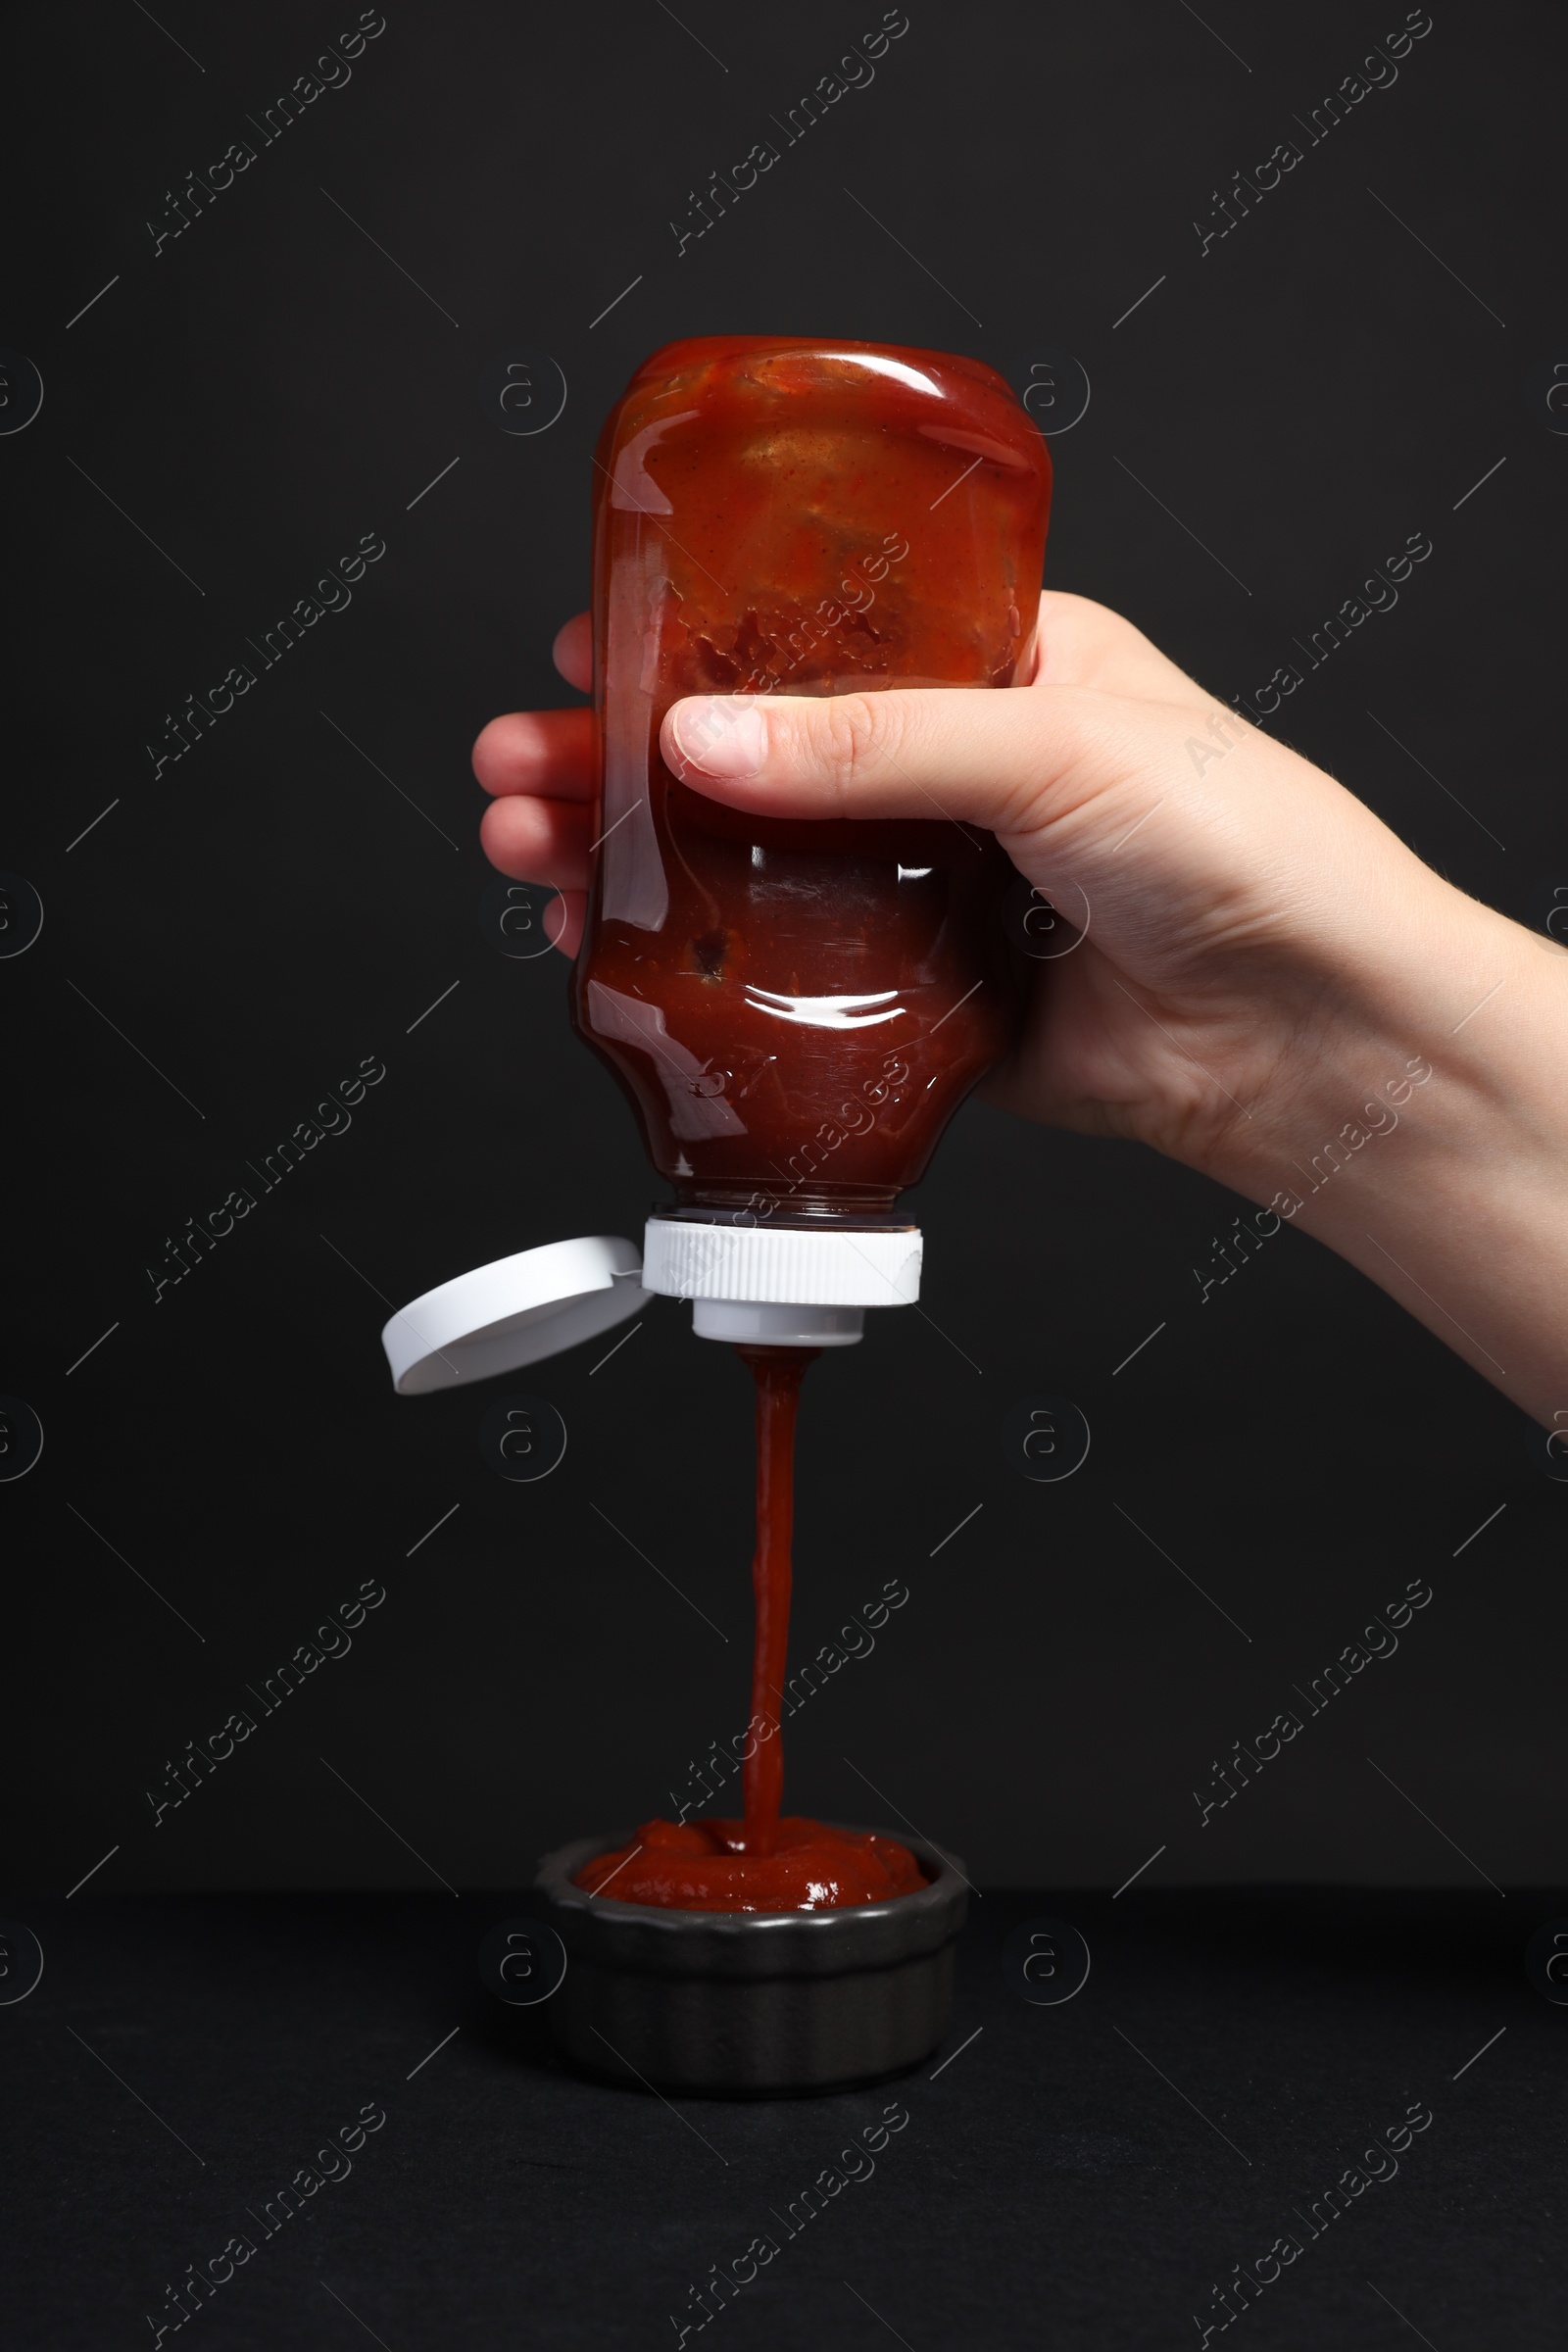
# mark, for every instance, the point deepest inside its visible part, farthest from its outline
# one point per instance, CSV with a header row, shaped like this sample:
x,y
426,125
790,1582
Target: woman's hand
x,y
1265,971
1237,904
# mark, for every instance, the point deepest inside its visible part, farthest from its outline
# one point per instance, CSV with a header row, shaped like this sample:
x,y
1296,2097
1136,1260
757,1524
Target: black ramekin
x,y
751,2003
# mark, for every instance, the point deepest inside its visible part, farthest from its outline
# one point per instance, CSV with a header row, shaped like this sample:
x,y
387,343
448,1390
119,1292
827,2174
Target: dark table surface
x,y
1082,2174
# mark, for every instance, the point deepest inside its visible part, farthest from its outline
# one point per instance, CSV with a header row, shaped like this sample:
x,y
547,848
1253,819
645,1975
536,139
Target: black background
x,y
272,385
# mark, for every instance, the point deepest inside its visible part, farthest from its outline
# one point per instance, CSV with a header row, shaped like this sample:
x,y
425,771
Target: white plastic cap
x,y
781,1284
513,1312
779,1288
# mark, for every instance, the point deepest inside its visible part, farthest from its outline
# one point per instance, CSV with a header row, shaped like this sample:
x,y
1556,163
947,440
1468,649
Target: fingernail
x,y
721,735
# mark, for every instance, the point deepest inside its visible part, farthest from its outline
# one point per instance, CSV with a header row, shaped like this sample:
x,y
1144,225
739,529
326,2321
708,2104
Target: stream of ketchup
x,y
767,1861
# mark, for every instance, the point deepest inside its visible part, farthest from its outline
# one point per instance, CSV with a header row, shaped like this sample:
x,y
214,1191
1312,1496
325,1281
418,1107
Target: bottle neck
x,y
784,1205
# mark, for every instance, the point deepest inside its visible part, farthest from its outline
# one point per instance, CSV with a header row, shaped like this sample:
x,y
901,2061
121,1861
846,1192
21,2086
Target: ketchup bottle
x,y
796,1009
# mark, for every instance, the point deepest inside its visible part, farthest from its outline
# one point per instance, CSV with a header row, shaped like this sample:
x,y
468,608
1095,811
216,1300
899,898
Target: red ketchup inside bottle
x,y
794,1009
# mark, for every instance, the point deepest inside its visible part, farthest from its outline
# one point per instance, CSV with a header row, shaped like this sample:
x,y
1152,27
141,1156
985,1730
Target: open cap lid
x,y
513,1312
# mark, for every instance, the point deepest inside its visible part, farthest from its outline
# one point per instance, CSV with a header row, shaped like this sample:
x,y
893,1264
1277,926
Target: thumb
x,y
1018,763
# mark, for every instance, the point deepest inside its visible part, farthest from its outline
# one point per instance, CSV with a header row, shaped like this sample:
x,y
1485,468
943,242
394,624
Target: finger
x,y
537,841
573,651
1012,762
1085,644
549,753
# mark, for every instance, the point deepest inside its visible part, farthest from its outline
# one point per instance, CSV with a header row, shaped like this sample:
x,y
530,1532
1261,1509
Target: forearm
x,y
1424,1137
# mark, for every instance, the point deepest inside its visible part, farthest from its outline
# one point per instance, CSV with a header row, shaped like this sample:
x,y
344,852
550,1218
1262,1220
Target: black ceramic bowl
x,y
751,2003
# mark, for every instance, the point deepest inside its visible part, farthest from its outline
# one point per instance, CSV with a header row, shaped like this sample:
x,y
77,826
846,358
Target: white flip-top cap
x,y
784,1286
513,1312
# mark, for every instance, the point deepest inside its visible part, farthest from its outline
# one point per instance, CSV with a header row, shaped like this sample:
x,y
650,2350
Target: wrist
x,y
1418,1126
1365,1022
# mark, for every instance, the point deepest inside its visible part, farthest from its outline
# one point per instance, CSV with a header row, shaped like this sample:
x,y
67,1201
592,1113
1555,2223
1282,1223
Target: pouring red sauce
x,y
768,1861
